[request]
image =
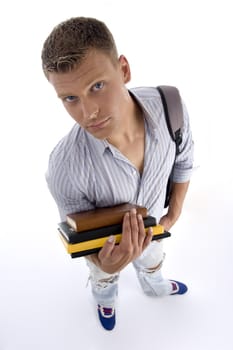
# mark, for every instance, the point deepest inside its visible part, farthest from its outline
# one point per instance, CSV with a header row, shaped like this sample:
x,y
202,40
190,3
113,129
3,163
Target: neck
x,y
131,128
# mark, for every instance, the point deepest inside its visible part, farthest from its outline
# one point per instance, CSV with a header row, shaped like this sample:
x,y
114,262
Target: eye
x,y
70,99
98,86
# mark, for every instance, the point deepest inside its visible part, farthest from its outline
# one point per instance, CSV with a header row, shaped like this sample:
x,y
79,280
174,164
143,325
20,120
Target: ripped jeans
x,y
105,285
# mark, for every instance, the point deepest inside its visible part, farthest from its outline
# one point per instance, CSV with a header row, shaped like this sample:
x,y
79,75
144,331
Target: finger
x,y
148,237
107,248
141,232
134,227
126,231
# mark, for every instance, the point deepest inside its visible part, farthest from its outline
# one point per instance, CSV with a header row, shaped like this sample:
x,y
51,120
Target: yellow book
x,y
93,245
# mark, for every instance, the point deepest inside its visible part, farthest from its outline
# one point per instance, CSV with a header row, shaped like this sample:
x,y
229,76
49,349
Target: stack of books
x,y
86,232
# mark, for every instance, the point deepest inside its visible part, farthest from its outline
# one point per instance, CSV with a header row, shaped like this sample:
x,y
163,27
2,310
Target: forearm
x,y
178,194
179,191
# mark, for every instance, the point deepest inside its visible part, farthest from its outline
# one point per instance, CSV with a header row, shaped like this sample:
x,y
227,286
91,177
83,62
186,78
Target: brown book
x,y
101,217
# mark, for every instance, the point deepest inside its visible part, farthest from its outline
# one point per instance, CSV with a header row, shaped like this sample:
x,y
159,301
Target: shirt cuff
x,y
182,175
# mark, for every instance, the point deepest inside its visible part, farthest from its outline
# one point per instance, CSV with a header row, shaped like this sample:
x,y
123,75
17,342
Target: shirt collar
x,y
100,146
143,103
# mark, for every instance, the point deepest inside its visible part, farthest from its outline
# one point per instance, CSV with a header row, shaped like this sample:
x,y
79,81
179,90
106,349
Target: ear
x,y
125,69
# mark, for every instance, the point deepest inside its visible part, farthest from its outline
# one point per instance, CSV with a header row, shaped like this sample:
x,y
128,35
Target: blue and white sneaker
x,y
178,287
153,284
107,316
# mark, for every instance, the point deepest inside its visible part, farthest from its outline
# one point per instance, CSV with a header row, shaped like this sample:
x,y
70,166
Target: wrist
x,y
173,215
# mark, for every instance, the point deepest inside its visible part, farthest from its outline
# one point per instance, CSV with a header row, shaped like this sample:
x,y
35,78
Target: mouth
x,y
99,124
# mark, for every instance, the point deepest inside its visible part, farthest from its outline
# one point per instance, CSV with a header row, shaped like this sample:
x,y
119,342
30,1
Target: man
x,y
119,151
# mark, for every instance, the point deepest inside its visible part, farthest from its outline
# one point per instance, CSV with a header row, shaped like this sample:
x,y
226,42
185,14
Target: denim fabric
x,y
148,268
153,283
105,286
151,257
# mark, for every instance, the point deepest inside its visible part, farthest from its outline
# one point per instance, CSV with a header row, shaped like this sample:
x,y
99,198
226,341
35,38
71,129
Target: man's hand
x,y
166,222
113,258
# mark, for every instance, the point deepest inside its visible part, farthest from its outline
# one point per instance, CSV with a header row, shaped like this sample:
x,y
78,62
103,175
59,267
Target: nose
x,y
89,110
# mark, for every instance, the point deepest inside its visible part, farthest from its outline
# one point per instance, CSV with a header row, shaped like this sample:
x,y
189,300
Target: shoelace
x,y
106,311
175,288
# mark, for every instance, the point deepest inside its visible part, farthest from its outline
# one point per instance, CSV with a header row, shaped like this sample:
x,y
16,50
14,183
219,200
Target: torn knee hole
x,y
156,268
104,282
109,280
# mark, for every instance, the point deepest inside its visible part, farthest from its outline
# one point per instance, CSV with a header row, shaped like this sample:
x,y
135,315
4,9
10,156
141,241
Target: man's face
x,y
94,94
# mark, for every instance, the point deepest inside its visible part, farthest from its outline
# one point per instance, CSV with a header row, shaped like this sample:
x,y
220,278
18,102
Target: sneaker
x,y
153,284
178,287
107,317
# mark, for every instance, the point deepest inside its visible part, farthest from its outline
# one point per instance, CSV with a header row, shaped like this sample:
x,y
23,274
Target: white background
x,y
43,300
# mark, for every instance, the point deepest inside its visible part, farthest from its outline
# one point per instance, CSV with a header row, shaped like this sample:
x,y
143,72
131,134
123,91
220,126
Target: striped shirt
x,y
85,172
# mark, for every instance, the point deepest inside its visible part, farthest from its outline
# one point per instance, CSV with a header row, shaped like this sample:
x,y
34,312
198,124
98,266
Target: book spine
x,y
99,242
97,221
76,237
79,254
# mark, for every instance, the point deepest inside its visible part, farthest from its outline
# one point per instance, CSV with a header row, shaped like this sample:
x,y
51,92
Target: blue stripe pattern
x,y
85,172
